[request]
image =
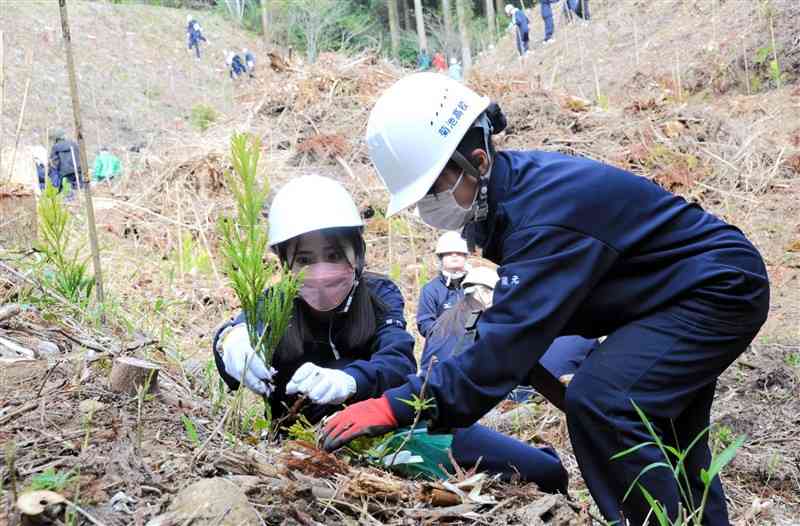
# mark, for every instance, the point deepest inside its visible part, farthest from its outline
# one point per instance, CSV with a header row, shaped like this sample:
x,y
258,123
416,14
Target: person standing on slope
x,y
546,11
439,62
65,163
249,62
584,248
106,165
521,29
194,35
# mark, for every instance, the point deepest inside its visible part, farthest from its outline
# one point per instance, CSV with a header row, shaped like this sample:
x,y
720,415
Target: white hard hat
x,y
509,9
453,60
481,276
451,242
188,18
414,129
310,203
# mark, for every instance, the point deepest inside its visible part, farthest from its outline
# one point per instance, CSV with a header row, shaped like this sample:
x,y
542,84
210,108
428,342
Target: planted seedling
x,y
265,290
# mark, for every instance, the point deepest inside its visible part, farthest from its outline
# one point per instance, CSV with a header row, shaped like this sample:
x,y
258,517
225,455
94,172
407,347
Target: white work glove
x,y
321,385
243,363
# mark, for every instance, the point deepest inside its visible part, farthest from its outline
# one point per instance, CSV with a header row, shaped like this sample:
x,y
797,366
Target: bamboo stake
x,y
746,68
778,82
2,92
20,120
87,189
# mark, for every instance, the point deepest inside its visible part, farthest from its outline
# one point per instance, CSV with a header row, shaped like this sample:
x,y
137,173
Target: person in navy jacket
x,y
520,23
584,248
443,291
194,35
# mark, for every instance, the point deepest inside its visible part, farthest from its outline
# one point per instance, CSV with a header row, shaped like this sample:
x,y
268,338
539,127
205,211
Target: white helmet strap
x,y
481,201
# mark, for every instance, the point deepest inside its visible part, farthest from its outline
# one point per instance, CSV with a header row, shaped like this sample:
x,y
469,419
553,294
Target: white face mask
x,y
443,211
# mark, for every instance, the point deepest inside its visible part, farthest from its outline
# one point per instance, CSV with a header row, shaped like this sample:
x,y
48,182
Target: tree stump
x,y
40,507
128,373
18,220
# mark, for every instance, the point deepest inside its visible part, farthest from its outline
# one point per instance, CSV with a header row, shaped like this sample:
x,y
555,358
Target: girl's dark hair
x,y
453,321
359,323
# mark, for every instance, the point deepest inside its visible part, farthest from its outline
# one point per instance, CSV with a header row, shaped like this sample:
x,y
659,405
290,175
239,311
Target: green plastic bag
x,y
423,456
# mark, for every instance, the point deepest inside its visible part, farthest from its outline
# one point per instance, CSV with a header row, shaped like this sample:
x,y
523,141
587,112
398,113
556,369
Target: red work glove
x,y
371,417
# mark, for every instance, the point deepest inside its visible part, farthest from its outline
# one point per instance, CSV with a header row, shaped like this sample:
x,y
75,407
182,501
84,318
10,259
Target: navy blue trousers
x,y
549,28
668,363
509,457
523,40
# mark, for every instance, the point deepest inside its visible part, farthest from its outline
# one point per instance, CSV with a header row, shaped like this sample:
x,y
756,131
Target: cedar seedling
x,y
51,480
191,430
244,244
71,275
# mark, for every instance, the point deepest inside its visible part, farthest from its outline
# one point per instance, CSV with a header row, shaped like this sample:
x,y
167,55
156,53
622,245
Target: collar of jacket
x,y
486,234
451,283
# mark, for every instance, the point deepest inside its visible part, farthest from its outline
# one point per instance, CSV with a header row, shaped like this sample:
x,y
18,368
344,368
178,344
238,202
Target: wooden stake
x,y
87,189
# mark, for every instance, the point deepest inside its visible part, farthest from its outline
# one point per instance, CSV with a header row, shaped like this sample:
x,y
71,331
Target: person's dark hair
x,y
452,322
360,321
473,139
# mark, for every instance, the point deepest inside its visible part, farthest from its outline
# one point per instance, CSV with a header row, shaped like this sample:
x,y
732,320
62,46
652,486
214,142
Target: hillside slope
x,y
137,82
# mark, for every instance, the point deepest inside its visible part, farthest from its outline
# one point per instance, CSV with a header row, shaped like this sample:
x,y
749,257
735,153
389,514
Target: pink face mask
x,y
326,285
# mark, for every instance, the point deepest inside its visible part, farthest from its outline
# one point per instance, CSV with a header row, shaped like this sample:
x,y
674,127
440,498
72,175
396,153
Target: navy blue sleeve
x,y
55,161
392,359
427,310
546,274
566,354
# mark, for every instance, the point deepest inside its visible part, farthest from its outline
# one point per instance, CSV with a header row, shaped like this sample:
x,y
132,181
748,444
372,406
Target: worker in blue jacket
x,y
347,340
235,65
194,35
584,248
64,169
577,8
443,291
521,28
547,17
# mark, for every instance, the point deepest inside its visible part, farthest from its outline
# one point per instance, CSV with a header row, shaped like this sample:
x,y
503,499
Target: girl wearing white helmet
x,y
584,248
347,339
444,290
